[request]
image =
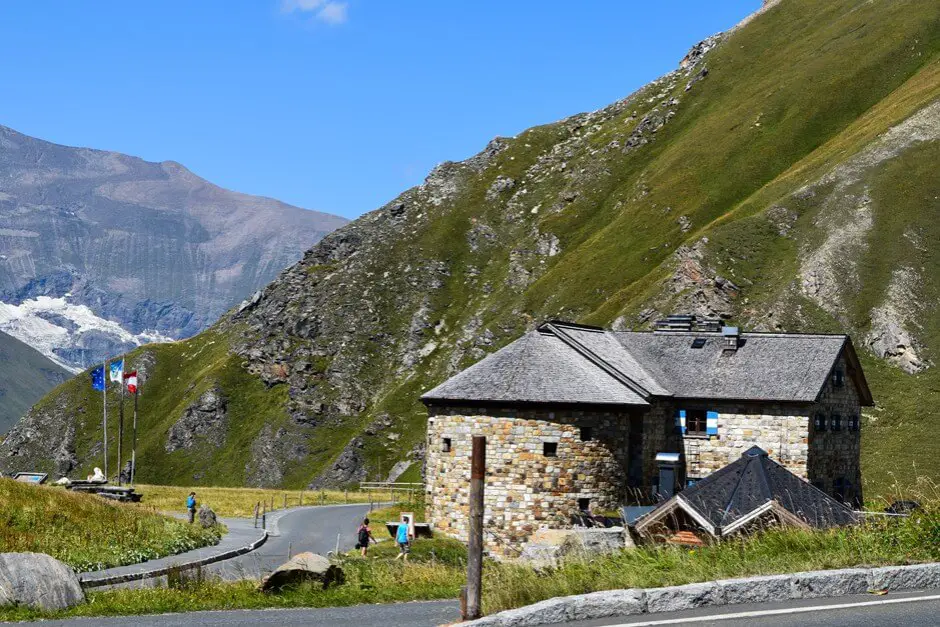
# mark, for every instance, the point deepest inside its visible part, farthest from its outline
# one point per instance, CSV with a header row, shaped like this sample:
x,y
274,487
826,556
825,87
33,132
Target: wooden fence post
x,y
257,507
475,543
285,500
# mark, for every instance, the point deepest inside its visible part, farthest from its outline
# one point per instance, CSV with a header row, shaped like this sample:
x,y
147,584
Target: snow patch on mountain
x,y
68,333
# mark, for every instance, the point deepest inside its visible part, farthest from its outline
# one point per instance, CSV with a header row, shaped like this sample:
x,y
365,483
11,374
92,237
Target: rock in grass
x,y
303,567
38,580
207,517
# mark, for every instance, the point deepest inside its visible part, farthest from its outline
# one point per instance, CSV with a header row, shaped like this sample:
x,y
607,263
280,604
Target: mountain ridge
x,y
150,246
730,187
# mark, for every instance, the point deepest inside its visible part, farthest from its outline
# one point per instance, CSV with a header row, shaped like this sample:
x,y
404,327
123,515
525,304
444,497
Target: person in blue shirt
x,y
191,506
403,538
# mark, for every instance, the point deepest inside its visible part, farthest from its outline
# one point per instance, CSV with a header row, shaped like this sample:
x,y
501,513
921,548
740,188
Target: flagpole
x,y
134,438
120,468
104,403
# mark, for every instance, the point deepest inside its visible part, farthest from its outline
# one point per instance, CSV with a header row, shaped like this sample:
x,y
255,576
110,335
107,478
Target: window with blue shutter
x,y
854,422
680,421
711,423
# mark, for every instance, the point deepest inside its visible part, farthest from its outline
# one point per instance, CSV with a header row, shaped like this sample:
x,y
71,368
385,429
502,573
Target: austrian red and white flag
x,y
130,380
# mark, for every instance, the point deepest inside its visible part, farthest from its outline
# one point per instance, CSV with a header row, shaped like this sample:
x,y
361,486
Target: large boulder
x,y
207,517
549,547
304,567
38,580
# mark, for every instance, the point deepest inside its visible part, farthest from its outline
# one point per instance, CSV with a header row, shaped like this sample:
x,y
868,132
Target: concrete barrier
x,y
808,585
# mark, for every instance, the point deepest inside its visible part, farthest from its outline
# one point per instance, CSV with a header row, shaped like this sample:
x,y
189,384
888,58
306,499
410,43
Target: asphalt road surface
x,y
425,614
296,530
907,609
313,529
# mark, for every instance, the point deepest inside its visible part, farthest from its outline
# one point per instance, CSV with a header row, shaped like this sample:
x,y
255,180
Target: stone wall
x,y
835,455
787,432
525,490
780,429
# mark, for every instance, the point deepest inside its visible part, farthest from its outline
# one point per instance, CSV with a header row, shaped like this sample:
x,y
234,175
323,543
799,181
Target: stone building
x,y
575,417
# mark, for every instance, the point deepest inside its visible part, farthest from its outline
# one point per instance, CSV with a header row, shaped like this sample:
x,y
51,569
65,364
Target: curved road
x,y
295,530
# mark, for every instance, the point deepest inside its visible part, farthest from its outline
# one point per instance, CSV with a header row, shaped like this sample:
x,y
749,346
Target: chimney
x,y
731,337
671,468
687,323
675,322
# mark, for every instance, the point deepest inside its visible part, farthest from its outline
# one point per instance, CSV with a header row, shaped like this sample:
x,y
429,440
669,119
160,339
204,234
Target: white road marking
x,y
789,610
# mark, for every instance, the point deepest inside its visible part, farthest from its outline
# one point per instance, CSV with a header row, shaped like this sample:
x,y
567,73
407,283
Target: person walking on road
x,y
191,506
403,538
365,535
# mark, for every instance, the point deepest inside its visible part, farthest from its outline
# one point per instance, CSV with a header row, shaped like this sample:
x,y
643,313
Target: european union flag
x,y
97,378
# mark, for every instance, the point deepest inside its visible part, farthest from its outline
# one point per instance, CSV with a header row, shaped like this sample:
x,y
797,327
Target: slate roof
x,y
751,485
566,363
766,366
536,368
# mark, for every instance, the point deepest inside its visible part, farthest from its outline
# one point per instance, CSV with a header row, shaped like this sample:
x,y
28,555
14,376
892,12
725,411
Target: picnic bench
x,y
115,493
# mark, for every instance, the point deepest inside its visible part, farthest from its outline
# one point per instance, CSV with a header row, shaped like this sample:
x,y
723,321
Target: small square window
x,y
854,422
696,422
550,449
587,433
445,445
819,422
838,378
698,342
584,505
836,422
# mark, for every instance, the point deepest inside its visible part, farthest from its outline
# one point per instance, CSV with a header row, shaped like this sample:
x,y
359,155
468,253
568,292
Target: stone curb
x,y
808,585
160,572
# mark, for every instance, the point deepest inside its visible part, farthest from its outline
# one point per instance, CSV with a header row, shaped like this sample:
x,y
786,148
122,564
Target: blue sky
x,y
329,105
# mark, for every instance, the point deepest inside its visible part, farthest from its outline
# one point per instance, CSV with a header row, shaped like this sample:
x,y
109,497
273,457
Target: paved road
x,y
294,531
241,533
426,614
914,609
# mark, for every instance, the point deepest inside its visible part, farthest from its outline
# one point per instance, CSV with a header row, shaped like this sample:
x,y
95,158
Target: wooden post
x,y
346,495
475,543
301,498
257,507
285,500
264,514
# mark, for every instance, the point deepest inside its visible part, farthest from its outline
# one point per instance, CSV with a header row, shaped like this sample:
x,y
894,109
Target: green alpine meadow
x,y
783,177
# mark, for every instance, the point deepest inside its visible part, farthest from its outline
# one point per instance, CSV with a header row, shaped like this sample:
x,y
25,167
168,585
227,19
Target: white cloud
x,y
333,13
326,11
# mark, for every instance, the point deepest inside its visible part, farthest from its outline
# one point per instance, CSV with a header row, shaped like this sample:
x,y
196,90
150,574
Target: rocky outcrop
x,y
348,468
204,420
889,337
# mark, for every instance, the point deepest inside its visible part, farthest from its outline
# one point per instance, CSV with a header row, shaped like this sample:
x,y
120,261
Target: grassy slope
x,y
241,502
437,570
25,376
798,91
86,532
